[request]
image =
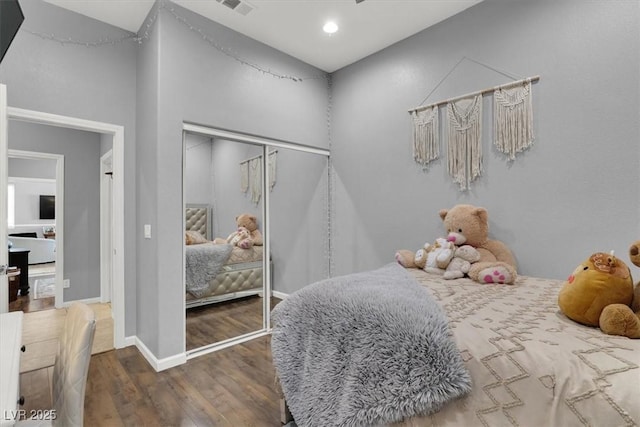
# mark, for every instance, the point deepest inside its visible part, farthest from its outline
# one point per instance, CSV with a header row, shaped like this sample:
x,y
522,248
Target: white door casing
x,y
117,134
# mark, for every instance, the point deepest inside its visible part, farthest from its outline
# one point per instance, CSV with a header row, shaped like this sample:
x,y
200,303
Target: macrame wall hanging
x,y
244,177
255,178
251,175
513,119
464,137
426,132
513,127
273,168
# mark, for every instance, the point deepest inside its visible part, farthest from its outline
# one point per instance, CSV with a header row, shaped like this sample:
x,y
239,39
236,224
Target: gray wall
x,y
94,83
81,152
32,168
198,174
573,193
202,85
228,201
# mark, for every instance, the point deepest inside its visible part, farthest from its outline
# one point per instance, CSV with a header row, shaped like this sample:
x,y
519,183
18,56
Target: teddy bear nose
x,y
451,239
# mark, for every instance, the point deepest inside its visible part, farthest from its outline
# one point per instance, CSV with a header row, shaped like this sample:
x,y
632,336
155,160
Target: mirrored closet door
x,y
280,189
224,275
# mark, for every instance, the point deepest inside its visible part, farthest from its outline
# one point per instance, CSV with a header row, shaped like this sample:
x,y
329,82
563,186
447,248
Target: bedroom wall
x,y
147,309
197,173
204,85
95,83
32,168
81,152
573,193
227,200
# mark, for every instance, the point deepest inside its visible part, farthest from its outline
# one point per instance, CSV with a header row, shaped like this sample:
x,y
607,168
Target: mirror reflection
x,y
298,221
224,248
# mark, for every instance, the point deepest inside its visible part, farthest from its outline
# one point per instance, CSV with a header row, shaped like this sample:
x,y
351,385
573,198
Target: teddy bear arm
x,y
618,319
256,238
635,305
486,255
405,258
500,251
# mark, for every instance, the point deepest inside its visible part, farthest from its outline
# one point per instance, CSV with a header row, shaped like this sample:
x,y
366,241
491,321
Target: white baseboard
x,y
129,341
160,364
280,295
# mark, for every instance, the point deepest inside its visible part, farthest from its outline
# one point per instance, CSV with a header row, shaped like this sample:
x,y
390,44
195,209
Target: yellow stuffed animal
x,y
596,290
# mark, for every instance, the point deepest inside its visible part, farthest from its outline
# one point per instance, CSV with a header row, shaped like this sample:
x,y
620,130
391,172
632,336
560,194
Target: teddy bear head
x,y
599,281
466,224
248,221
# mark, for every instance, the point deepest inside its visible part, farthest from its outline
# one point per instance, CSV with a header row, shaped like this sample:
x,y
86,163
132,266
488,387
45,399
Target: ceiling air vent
x,y
231,4
242,7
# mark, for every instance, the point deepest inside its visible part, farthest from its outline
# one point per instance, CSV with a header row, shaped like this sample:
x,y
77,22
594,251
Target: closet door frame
x,y
265,143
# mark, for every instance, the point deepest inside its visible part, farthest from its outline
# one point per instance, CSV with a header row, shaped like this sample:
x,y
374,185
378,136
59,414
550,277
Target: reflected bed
x,y
238,276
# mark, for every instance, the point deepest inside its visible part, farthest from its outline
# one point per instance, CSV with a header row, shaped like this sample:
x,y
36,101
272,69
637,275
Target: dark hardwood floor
x,y
230,387
216,322
27,304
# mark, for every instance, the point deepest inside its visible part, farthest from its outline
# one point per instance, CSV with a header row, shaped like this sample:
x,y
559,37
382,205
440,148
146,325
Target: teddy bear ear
x,y
633,250
443,213
482,214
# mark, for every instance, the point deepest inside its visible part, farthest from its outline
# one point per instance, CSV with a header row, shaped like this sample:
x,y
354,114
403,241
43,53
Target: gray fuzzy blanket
x,y
365,349
202,263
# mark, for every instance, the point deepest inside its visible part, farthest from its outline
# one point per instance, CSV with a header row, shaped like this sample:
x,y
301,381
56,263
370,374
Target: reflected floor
x,y
217,322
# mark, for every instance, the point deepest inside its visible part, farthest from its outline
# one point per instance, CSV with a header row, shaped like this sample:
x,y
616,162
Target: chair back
x,y
72,365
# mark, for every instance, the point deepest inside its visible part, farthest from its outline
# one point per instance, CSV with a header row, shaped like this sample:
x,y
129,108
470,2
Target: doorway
x,y
114,134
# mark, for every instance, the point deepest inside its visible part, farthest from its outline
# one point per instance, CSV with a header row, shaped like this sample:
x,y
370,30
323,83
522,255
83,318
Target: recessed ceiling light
x,y
330,27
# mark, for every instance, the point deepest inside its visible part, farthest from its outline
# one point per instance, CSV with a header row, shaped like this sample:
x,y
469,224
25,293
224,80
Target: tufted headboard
x,y
198,218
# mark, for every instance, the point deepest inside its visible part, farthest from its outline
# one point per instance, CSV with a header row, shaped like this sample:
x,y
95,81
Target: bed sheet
x,y
530,364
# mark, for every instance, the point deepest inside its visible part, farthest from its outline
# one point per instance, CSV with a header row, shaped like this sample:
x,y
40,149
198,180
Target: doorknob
x,y
3,269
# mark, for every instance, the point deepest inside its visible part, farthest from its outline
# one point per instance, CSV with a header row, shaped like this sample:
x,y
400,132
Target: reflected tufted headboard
x,y
198,218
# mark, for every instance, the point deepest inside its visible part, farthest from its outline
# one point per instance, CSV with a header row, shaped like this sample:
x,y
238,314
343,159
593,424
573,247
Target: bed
x,y
216,273
529,365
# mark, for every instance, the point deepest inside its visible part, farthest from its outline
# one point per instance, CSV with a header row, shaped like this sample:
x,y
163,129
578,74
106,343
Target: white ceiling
x,y
295,26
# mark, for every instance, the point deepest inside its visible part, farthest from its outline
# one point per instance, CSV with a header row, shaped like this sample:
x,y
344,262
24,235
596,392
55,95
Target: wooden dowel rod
x,y
479,92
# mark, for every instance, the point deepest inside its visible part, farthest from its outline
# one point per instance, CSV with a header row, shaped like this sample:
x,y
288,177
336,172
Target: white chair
x,y
70,369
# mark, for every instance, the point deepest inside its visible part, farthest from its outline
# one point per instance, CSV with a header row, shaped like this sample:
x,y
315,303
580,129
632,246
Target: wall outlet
x,y
66,283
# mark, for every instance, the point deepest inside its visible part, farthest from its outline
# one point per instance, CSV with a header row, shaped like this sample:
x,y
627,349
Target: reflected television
x,y
47,207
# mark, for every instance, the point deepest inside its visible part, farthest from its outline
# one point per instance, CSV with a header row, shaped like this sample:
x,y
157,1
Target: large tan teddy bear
x,y
600,292
469,225
244,222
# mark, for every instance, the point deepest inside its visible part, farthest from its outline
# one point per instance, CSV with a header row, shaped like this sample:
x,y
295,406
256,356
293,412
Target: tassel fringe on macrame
x,y
244,177
426,141
464,140
513,119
